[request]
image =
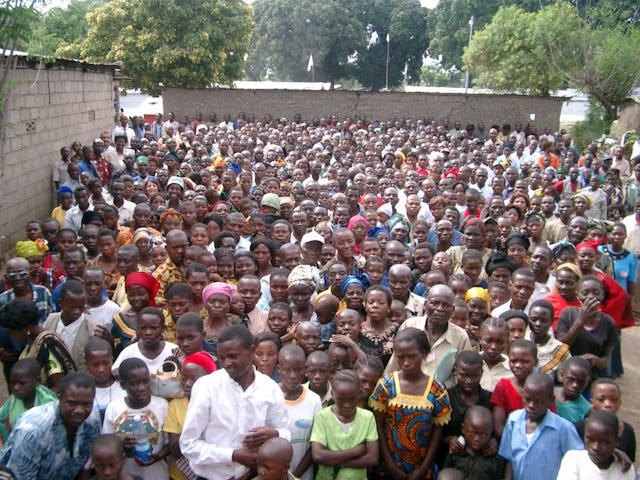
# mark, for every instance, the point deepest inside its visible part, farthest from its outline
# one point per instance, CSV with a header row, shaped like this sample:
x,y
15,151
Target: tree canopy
x,y
280,49
61,26
558,45
346,39
405,23
179,43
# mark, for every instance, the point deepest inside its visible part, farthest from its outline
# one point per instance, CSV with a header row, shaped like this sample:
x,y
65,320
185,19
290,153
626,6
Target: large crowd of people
x,y
326,298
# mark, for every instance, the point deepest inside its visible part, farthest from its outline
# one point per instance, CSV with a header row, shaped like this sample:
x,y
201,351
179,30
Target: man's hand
x,y
257,436
246,456
103,333
153,458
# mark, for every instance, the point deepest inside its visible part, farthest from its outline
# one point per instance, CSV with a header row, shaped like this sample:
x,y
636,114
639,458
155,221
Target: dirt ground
x,y
629,382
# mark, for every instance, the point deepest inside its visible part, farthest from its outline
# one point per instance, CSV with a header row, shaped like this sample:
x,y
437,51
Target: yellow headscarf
x,y
479,292
30,248
586,197
571,266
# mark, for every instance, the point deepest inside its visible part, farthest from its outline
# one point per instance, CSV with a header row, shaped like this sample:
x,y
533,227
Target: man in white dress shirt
x,y
232,412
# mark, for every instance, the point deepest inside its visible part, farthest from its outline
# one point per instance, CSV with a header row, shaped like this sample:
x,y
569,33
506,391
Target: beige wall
x,y
492,109
46,110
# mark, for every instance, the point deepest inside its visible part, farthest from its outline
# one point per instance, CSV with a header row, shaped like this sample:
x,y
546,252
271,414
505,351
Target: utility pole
x,y
466,80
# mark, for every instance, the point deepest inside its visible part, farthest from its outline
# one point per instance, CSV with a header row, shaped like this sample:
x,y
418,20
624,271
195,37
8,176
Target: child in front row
x,y
477,431
575,374
318,372
265,356
139,410
409,448
108,458
535,439
279,321
302,406
190,334
369,371
179,301
150,347
194,366
344,438
507,396
494,338
274,460
466,393
606,395
26,393
598,460
99,357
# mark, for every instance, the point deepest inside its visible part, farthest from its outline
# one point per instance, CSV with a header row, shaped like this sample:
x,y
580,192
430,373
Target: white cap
x,y
312,237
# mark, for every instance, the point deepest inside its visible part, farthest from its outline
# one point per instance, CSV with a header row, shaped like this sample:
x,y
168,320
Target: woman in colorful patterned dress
x,y
410,409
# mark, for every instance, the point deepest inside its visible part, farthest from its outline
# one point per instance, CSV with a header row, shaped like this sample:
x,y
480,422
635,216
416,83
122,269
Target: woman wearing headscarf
x,y
33,252
517,248
141,288
381,234
581,203
400,228
359,226
478,301
565,292
195,366
170,220
175,189
303,282
217,298
142,240
352,296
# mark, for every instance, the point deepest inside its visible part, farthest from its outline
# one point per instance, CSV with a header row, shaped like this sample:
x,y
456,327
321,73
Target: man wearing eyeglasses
x,y
17,277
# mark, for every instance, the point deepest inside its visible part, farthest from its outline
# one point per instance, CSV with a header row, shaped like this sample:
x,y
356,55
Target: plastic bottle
x,y
143,447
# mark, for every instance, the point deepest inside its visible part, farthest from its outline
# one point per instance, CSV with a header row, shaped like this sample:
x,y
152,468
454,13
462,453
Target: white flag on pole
x,y
310,64
387,38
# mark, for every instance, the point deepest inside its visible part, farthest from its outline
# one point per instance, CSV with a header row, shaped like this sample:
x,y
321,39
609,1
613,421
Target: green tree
x,y
280,49
448,24
62,26
17,18
539,52
433,75
405,23
599,59
178,43
508,53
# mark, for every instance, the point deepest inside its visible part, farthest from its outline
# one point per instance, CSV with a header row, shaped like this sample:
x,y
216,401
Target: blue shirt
x,y
456,241
38,448
88,167
539,458
625,265
41,298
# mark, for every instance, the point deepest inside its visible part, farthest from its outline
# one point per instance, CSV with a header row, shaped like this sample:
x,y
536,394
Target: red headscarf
x,y
146,281
202,359
593,244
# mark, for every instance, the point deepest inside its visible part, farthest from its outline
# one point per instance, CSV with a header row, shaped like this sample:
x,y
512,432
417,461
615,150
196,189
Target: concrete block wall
x,y
47,108
490,108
